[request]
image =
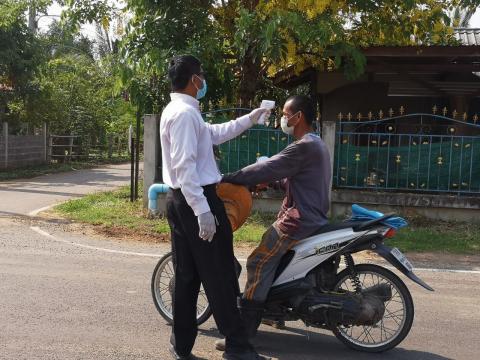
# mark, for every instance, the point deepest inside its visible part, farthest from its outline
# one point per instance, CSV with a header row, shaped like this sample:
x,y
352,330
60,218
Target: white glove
x,y
206,223
258,116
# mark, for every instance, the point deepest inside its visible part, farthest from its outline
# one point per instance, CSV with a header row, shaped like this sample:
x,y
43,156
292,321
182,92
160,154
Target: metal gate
x,y
415,152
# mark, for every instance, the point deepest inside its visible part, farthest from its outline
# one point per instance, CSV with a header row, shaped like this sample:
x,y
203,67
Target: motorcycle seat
x,y
335,226
356,225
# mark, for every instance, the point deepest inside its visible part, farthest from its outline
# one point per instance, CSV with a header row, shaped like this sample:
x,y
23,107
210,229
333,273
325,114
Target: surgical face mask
x,y
284,124
203,91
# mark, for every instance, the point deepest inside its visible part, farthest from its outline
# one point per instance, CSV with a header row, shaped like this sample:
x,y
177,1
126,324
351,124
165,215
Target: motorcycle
x,y
366,306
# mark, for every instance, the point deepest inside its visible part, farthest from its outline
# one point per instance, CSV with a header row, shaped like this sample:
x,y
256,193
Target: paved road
x,y
62,301
20,197
73,296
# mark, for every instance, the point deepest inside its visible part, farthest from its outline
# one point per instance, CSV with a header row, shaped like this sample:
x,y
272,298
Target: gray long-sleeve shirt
x,y
304,168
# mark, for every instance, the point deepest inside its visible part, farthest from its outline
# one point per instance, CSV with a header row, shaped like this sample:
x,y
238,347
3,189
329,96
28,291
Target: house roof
x,y
468,36
410,70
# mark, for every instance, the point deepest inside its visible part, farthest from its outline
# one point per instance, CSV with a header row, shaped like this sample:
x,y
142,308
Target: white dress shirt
x,y
187,141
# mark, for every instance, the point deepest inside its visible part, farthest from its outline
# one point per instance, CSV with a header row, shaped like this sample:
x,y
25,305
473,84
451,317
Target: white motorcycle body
x,y
314,250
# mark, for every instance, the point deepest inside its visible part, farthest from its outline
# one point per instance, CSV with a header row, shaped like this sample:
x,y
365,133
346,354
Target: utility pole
x,y
137,154
131,148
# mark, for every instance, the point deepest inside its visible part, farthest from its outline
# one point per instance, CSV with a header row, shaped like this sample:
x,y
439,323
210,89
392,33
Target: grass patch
x,y
424,235
251,232
37,170
113,210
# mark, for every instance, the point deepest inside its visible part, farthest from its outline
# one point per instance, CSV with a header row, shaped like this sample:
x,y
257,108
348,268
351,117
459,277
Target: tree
x,y
36,7
59,40
460,17
20,54
242,43
77,97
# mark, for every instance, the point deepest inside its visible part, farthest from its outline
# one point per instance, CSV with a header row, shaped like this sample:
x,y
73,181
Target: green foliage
x,y
20,54
160,30
79,11
244,45
77,97
10,12
54,78
59,41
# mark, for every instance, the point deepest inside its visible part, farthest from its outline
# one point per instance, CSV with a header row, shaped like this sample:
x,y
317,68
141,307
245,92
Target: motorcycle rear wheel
x,y
396,322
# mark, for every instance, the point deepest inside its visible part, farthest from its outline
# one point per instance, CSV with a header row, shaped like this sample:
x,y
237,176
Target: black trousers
x,y
210,263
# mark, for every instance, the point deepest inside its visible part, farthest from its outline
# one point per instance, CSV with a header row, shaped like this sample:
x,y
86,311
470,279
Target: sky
x,y
89,30
475,22
55,9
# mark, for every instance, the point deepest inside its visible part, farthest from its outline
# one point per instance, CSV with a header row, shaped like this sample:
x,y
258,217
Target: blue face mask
x,y
203,91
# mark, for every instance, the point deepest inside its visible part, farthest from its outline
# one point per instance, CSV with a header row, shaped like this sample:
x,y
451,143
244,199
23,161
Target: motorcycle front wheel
x,y
163,284
397,320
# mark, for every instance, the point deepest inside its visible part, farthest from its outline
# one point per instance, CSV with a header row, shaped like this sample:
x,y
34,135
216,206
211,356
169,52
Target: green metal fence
x,y
418,152
246,148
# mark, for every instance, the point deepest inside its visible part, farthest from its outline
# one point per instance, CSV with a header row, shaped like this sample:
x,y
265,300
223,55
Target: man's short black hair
x,y
181,70
304,104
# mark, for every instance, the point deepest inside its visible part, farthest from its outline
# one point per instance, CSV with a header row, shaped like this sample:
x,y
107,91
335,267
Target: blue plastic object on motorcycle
x,y
361,214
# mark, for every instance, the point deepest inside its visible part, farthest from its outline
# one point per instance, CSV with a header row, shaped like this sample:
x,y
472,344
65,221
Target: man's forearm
x,y
249,176
278,167
223,132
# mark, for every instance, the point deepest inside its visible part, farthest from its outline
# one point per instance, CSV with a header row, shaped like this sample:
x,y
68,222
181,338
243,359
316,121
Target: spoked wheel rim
x,y
164,285
392,323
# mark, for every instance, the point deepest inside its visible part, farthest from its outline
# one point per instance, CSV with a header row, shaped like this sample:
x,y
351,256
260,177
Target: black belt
x,y
206,188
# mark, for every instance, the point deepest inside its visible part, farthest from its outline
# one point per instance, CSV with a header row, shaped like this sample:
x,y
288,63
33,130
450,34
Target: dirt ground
x,y
437,260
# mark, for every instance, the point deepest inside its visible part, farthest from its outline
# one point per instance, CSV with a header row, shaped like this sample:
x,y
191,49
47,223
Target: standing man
x,y
201,234
302,169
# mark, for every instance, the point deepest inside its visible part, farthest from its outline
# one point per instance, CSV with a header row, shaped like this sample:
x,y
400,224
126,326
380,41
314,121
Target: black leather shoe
x,y
175,356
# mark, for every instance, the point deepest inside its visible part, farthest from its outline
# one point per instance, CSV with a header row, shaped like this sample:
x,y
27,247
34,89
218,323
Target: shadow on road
x,y
300,344
9,214
37,191
83,177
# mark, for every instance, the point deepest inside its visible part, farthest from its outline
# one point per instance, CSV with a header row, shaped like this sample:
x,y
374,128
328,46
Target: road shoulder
x,y
51,223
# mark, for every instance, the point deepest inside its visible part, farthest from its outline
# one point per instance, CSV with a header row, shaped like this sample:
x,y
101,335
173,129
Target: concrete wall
x,y
436,207
20,151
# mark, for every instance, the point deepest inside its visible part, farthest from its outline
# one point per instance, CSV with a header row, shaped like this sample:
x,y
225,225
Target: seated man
x,y
303,170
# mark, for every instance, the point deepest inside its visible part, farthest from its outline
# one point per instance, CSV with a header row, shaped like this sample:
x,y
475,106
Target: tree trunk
x,y
250,75
32,21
